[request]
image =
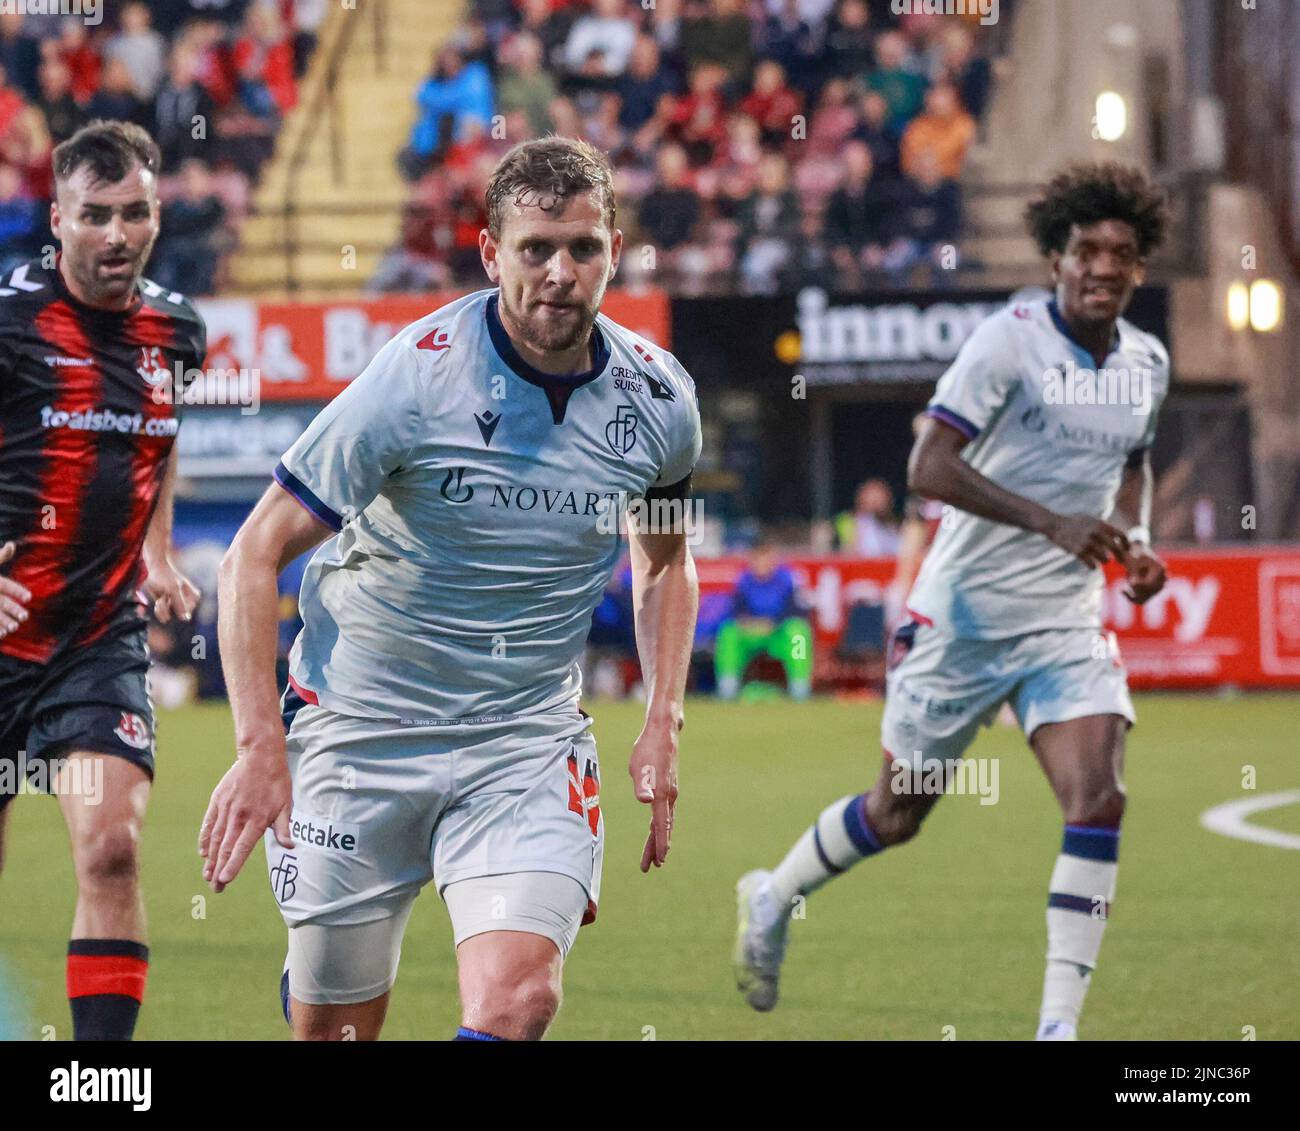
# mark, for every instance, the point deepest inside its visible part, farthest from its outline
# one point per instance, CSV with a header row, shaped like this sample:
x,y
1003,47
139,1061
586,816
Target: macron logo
x,y
102,1085
435,340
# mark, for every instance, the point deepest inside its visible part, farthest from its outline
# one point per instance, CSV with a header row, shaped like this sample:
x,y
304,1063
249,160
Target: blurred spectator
x,y
788,38
719,32
847,51
63,117
115,97
524,85
183,108
20,55
698,119
669,211
769,224
308,16
600,42
419,263
187,253
929,214
876,133
24,141
263,60
456,90
21,226
834,120
141,49
772,104
902,88
970,73
945,132
643,85
859,215
76,50
810,264
764,618
551,24
870,530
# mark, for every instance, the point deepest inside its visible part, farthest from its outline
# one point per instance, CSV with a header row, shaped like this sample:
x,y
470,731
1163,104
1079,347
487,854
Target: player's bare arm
x,y
1132,512
665,598
255,794
172,593
936,470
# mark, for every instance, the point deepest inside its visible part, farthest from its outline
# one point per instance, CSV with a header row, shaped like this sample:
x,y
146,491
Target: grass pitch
x,y
946,931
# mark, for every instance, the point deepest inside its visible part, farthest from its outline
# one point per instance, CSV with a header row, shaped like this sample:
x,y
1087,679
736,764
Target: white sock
x,y
837,840
728,687
1082,890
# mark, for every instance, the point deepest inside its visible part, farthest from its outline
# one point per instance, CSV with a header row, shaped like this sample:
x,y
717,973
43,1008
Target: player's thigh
x,y
1074,705
340,975
939,691
528,801
366,793
103,799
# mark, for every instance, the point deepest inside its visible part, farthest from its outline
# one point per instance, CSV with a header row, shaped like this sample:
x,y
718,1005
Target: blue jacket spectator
x,y
463,90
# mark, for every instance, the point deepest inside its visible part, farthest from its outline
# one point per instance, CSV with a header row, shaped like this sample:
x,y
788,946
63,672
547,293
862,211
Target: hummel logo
x,y
660,390
435,340
487,424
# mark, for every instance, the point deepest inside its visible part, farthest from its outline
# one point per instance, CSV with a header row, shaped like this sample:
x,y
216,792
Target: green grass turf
x,y
947,931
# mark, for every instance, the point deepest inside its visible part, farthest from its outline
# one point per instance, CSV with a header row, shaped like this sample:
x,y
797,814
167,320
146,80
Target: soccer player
x,y
1045,462
87,467
463,493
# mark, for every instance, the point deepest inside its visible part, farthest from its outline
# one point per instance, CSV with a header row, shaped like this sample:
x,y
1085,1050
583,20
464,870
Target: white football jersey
x,y
472,495
1047,423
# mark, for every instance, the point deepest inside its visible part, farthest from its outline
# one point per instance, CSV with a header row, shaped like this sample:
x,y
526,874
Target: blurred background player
x,y
764,619
87,469
1007,606
471,563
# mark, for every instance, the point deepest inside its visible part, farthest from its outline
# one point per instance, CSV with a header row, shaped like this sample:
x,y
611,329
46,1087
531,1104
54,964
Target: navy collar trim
x,y
505,348
1058,320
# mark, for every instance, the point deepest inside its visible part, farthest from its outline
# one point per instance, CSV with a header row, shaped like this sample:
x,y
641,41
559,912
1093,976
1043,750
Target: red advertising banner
x,y
308,351
1224,617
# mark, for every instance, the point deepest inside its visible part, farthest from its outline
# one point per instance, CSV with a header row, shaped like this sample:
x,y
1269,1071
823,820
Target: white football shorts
x,y
941,689
383,806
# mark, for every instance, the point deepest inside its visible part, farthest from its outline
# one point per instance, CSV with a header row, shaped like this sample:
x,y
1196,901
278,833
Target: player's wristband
x,y
1138,535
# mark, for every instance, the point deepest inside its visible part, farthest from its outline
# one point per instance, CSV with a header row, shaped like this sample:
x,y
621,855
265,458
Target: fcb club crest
x,y
584,792
620,433
133,730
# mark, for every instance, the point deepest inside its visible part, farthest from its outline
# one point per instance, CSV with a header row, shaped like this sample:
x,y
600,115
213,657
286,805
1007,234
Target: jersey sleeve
x,y
1159,388
978,381
685,440
339,464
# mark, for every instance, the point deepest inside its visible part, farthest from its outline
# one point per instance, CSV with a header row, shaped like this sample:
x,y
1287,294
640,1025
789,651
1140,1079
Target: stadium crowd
x,y
210,79
759,144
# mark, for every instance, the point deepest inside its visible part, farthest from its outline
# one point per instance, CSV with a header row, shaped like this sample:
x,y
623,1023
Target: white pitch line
x,y
1229,819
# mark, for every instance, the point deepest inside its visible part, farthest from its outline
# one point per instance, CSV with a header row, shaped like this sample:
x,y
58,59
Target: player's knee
x,y
108,858
1099,806
522,1008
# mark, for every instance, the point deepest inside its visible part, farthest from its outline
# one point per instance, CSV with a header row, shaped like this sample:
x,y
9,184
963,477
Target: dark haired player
x,y
1038,437
87,464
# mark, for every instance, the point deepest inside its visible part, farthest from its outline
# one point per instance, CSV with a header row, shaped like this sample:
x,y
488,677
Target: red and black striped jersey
x,y
84,443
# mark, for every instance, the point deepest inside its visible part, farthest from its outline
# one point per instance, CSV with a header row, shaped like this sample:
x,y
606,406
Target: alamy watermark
x,y
70,777
91,11
1075,385
977,777
987,10
188,386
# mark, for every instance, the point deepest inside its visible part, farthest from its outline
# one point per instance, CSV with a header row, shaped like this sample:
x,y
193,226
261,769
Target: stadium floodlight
x,y
1111,116
1265,306
1238,306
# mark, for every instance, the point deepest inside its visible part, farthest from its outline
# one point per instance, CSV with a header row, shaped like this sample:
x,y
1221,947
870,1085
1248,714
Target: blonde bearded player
x,y
460,494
